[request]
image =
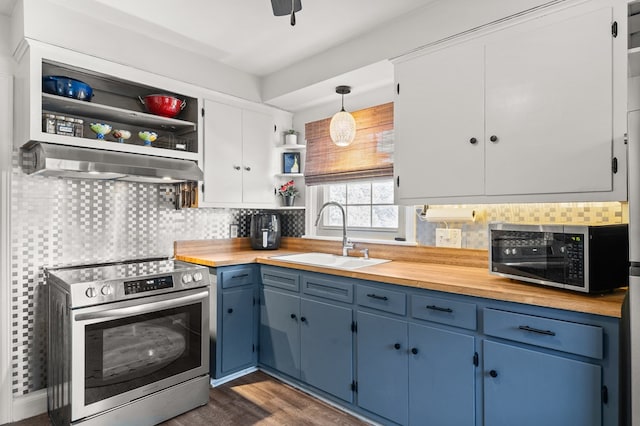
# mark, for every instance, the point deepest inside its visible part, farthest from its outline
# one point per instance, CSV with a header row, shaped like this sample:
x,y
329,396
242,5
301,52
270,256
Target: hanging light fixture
x,y
343,126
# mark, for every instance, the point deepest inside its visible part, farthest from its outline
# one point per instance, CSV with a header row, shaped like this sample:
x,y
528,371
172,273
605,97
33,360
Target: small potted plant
x,y
288,191
291,137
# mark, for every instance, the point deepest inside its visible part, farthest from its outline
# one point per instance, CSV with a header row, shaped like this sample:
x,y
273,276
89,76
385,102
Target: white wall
x,y
436,21
67,24
6,102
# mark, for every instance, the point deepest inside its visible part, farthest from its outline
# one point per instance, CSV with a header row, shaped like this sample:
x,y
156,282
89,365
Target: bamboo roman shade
x,y
369,156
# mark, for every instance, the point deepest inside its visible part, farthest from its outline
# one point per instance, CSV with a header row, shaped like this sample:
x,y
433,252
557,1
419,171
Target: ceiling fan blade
x,y
283,7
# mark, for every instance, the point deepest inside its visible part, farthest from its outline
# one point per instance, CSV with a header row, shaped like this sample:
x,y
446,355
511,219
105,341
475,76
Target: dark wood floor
x,y
255,399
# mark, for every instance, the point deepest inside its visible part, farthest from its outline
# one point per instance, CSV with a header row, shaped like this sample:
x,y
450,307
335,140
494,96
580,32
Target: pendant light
x,y
343,126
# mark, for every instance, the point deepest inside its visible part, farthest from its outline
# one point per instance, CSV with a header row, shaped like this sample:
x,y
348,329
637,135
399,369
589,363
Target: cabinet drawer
x,y
237,277
382,299
571,337
444,311
328,288
279,278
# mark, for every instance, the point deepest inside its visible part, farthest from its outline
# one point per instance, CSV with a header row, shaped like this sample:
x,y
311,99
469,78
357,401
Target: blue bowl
x,y
65,86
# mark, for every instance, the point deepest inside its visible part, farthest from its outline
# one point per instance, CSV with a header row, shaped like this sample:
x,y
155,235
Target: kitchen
x,y
80,205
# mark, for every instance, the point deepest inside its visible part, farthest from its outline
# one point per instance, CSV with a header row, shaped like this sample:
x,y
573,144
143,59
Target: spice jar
x,y
78,127
64,125
48,123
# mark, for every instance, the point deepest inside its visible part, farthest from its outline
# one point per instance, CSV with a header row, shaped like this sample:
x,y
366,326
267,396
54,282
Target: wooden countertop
x,y
428,268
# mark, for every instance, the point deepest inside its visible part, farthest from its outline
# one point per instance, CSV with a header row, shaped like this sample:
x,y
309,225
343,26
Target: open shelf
x,y
75,107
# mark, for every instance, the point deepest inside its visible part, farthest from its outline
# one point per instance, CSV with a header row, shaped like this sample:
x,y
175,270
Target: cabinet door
x,y
238,343
326,348
438,111
222,153
535,388
382,366
280,332
257,155
549,104
441,377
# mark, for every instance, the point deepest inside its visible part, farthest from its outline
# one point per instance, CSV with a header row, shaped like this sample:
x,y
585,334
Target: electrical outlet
x,y
449,237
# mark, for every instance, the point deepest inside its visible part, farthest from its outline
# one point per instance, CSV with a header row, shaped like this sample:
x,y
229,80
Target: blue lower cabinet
x,y
441,377
382,366
280,331
238,348
326,347
530,388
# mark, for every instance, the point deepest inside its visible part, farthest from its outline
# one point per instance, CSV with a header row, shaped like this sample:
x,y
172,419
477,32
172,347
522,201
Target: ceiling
x,y
245,35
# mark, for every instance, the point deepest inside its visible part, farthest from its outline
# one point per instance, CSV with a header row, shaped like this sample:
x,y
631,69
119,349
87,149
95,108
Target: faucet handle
x,y
365,253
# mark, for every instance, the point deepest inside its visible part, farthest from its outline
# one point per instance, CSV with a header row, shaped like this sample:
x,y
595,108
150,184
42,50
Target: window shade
x,y
370,155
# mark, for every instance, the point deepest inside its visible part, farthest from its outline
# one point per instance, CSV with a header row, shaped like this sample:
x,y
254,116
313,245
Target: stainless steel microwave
x,y
589,259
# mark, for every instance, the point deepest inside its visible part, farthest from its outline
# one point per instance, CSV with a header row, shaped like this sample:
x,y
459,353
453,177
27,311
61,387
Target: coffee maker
x,y
265,231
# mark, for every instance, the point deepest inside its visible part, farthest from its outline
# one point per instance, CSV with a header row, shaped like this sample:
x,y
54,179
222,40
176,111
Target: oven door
x,y
126,350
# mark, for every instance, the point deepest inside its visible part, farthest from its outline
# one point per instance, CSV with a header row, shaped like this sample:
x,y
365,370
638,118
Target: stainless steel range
x,y
128,342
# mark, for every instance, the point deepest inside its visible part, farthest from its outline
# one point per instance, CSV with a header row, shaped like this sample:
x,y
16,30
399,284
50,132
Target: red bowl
x,y
164,105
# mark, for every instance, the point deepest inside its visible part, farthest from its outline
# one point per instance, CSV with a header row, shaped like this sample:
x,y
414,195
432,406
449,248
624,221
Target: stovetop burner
x,y
109,282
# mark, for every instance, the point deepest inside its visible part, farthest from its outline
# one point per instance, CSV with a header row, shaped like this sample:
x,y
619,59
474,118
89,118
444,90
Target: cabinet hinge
x,y
605,395
614,29
354,327
614,165
475,359
202,112
354,386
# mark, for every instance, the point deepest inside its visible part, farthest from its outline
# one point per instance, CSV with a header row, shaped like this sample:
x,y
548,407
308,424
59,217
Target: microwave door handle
x,y
537,265
141,309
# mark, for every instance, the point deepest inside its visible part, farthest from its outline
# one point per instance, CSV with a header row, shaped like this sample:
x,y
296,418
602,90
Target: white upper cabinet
x,y
239,156
533,112
115,101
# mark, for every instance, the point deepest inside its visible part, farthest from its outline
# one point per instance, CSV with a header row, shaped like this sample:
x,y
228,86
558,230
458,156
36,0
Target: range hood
x,y
46,159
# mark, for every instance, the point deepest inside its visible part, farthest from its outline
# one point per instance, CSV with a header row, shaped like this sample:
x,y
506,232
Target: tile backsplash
x,y
475,234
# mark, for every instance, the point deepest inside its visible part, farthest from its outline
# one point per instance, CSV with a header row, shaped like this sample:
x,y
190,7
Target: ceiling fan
x,y
286,7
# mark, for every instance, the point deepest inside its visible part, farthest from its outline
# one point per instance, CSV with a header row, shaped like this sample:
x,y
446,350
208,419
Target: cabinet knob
x,y
293,316
473,141
236,167
414,351
230,310
247,168
493,138
303,319
397,346
493,373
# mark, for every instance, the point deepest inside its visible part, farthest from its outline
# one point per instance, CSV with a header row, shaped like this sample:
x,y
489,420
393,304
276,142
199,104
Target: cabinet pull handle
x,y
230,310
397,346
293,316
236,167
493,373
240,276
536,330
438,308
375,296
414,351
493,138
473,141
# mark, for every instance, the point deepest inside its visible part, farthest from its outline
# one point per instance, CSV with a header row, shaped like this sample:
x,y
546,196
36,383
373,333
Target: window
x,y
369,208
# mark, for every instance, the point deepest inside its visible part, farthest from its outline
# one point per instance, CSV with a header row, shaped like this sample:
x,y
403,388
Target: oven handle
x,y
140,309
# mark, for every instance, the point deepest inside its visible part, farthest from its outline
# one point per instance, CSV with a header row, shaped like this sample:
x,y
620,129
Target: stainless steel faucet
x,y
346,244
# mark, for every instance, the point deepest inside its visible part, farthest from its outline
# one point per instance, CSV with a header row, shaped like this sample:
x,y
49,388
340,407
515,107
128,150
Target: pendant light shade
x,y
342,128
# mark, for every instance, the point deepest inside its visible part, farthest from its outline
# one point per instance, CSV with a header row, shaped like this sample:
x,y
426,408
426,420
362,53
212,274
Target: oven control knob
x,y
105,290
506,251
197,276
91,292
187,278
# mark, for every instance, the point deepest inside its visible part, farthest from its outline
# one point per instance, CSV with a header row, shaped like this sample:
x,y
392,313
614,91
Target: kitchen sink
x,y
327,260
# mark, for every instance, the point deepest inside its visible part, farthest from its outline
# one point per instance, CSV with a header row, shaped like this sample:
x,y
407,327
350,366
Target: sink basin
x,y
329,260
